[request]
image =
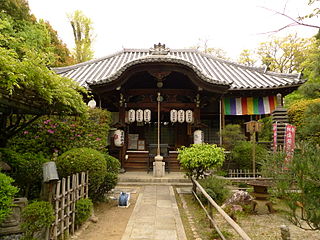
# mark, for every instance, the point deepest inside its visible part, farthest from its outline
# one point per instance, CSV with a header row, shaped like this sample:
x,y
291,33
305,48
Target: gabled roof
x,y
206,66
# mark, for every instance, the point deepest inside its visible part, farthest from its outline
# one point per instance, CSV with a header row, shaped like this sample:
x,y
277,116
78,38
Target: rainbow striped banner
x,y
249,105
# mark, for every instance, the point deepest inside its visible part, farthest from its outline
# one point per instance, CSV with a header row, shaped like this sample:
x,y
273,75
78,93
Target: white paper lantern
x,y
131,115
181,116
139,115
198,137
189,116
147,115
118,138
92,103
173,115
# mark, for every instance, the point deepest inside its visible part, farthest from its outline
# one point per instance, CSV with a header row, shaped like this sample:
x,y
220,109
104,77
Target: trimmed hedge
x,y
81,160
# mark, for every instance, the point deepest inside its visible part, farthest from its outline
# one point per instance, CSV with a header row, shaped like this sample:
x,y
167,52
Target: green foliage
x,y
83,37
231,134
242,154
284,55
26,51
111,177
304,115
18,9
216,187
36,216
198,158
27,171
246,58
310,130
266,132
7,192
60,134
84,208
298,182
81,160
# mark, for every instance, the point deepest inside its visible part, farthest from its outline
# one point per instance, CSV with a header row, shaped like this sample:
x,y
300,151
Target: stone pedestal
x,y
12,223
158,166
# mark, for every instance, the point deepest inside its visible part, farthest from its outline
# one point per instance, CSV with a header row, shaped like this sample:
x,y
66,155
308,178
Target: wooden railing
x,y
242,173
212,203
66,193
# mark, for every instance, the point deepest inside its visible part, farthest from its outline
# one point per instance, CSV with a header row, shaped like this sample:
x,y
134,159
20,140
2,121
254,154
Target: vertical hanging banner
x,y
289,143
139,115
181,116
131,115
173,115
274,130
189,116
147,115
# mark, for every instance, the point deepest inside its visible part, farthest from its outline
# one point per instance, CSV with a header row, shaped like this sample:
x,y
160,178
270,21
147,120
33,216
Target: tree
x,y
198,158
284,55
246,58
202,46
27,84
83,37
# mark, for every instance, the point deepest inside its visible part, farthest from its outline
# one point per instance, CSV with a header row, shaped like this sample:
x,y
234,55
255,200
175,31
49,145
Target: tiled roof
x,y
206,66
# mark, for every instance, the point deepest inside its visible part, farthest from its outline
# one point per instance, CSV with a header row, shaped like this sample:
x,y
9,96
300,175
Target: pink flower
x,y
25,132
46,121
98,139
36,137
78,135
90,135
50,131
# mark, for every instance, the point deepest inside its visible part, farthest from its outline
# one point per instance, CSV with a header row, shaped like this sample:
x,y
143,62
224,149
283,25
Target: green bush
x,y
231,134
242,154
296,112
36,216
266,132
59,134
81,160
27,171
198,158
216,187
7,192
83,210
111,177
297,183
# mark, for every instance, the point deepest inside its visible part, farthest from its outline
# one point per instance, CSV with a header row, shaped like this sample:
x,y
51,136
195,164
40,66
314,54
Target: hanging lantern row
x,y
181,116
139,115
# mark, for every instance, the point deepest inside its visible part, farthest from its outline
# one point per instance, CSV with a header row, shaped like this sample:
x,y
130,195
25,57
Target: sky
x,y
232,25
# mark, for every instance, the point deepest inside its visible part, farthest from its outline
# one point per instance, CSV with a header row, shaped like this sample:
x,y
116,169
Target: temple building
x,y
168,95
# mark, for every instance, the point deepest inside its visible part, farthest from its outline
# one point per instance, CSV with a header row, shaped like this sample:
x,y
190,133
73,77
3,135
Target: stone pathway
x,y
155,216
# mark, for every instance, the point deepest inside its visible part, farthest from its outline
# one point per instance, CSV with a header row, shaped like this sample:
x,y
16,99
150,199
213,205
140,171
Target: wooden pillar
x,y
222,119
122,117
197,119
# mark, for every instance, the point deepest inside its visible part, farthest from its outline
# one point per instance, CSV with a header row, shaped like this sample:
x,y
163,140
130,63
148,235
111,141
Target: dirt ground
x,y
259,226
112,220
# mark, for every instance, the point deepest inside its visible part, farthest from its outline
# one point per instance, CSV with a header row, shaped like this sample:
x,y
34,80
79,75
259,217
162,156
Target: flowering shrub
x,y
60,134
